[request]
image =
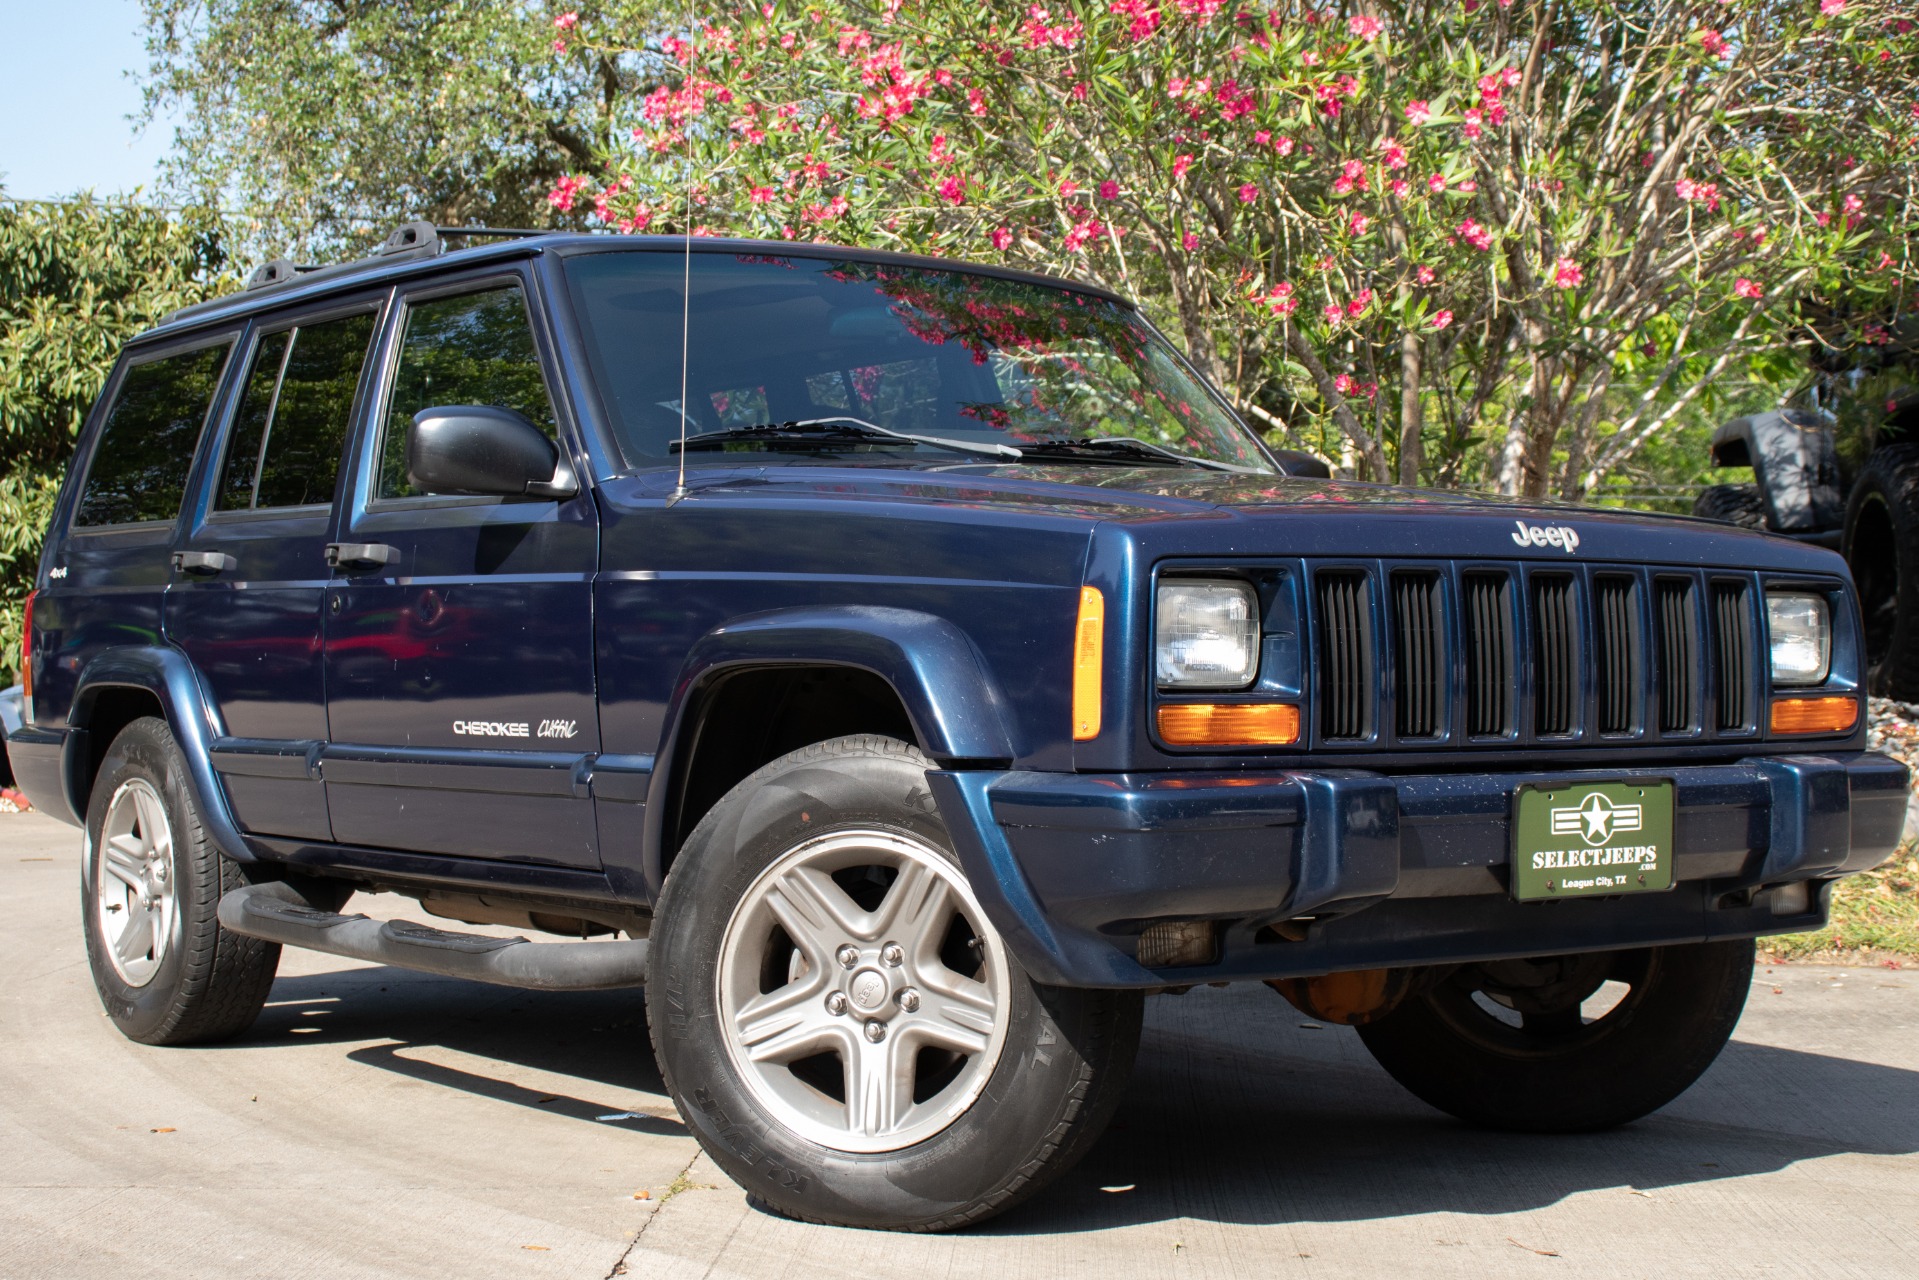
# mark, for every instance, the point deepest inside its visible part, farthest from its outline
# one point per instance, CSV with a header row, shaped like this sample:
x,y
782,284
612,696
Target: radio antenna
x,y
686,261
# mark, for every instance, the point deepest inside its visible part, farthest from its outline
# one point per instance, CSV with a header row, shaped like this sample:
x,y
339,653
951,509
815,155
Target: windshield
x,y
930,353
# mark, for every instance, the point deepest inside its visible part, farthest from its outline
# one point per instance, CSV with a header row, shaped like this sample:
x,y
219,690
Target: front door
x,y
459,656
250,577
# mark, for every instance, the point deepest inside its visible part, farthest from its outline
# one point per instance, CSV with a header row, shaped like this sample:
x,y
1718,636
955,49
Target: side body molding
x,y
167,675
956,707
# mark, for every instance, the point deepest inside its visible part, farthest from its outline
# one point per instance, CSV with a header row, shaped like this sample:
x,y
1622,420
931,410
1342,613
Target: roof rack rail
x,y
427,240
278,271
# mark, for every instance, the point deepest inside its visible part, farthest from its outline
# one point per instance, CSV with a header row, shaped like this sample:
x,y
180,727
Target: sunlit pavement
x,y
380,1123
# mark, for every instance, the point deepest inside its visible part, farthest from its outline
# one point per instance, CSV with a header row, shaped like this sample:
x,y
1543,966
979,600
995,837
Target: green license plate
x,y
1592,839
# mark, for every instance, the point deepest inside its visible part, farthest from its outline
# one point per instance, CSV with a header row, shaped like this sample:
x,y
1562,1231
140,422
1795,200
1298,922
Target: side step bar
x,y
276,913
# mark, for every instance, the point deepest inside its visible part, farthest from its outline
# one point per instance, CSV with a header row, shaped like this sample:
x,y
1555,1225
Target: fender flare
x,y
957,710
1794,461
167,675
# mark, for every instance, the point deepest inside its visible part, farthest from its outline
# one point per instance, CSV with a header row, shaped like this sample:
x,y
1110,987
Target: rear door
x,y
459,661
249,591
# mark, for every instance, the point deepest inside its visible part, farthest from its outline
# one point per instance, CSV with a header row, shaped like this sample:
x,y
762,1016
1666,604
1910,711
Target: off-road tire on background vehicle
x,y
1738,504
1458,1048
1044,1094
1882,548
208,984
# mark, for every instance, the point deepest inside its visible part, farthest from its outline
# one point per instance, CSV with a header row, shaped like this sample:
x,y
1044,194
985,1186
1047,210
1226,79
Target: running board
x,y
274,912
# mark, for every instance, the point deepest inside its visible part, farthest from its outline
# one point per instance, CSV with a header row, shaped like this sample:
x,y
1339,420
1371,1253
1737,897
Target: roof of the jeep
x,y
431,255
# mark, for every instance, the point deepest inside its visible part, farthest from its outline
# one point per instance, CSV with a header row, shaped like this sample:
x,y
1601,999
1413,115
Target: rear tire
x,y
839,1024
1882,548
1504,1044
1738,504
166,971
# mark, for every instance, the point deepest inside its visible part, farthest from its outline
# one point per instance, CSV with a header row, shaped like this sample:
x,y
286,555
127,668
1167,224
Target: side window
x,y
294,415
475,348
139,469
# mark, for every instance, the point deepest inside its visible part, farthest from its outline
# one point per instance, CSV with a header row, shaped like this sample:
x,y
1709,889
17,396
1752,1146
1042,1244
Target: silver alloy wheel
x,y
134,893
808,974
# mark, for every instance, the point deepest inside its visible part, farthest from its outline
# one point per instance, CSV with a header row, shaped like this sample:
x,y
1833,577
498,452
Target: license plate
x,y
1592,839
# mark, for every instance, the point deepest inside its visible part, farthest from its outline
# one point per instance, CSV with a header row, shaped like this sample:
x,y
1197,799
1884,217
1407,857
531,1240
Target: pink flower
x,y
564,191
953,190
976,102
1567,274
1068,189
1002,237
1823,219
1395,155
1746,288
1832,8
1472,117
1419,112
1852,204
1436,183
1424,275
1109,190
1440,319
1400,188
1144,15
1281,300
1475,235
1345,384
1333,313
1180,165
762,195
1360,302
1189,242
1357,224
1885,260
1363,27
1248,193
1284,145
1468,185
567,21
1714,43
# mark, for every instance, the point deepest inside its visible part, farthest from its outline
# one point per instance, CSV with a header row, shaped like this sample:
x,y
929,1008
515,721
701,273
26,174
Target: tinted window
x,y
299,400
250,424
139,469
476,348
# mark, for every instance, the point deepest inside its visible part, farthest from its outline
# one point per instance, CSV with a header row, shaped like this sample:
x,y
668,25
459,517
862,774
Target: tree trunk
x,y
1412,422
1362,439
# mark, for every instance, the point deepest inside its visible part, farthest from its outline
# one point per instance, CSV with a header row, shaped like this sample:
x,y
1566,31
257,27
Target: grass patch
x,y
1877,912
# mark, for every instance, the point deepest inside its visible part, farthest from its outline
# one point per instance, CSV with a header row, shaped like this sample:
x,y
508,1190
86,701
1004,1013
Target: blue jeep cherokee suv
x,y
900,668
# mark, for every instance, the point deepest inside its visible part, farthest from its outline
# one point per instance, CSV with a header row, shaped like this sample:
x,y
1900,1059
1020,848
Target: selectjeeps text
x,y
901,668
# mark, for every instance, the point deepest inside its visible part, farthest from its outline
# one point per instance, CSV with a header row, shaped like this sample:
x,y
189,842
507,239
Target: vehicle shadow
x,y
1239,1111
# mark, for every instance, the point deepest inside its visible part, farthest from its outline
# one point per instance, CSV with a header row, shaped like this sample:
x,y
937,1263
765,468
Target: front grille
x,y
1678,656
1555,656
1345,655
1521,653
1418,654
1732,641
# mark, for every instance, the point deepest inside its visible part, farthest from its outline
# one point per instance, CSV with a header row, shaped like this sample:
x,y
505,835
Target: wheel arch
x,y
860,669
120,686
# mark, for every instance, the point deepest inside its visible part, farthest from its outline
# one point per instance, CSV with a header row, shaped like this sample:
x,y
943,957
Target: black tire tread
x,y
1891,472
1736,504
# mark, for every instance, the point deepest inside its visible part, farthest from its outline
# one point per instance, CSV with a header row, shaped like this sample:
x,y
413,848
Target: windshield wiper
x,y
837,428
1118,447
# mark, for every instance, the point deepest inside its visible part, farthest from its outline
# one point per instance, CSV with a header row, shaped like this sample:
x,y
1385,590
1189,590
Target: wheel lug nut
x,y
876,1031
849,956
836,1003
892,955
909,999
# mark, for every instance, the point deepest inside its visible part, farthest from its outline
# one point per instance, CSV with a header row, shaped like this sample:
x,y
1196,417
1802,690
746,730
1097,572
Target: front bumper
x,y
1379,870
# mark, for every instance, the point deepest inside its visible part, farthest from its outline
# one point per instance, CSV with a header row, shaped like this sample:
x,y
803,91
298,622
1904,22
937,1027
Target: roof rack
x,y
426,240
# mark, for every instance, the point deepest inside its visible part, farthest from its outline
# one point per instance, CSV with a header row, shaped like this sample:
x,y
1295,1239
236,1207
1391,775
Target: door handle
x,y
202,563
359,555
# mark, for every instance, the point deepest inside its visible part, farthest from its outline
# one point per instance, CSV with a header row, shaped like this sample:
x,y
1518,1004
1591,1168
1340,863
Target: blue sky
x,y
65,99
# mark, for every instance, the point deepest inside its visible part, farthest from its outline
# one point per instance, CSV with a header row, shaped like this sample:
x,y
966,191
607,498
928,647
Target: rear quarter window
x,y
140,463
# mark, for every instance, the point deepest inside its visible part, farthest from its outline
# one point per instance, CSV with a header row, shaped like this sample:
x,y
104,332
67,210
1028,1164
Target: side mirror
x,y
479,449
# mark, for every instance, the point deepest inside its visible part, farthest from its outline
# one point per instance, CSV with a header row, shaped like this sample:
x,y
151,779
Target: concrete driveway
x,y
378,1123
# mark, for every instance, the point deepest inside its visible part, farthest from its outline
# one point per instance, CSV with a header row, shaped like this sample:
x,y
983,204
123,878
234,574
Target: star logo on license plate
x,y
1595,819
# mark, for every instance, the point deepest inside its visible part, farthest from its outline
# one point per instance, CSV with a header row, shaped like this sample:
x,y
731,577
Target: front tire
x,y
1505,1044
166,971
839,1023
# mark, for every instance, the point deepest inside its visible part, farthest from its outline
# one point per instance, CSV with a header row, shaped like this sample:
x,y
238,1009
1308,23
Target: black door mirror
x,y
479,449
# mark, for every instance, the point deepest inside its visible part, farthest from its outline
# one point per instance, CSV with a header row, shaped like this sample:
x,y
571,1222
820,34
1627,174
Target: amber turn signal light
x,y
1089,645
1814,715
1229,724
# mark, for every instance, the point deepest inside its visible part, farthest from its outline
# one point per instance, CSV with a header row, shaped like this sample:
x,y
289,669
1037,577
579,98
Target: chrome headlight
x,y
1801,631
1207,635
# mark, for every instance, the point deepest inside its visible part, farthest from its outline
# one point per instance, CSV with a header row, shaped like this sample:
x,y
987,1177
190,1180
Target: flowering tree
x,y
1428,222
